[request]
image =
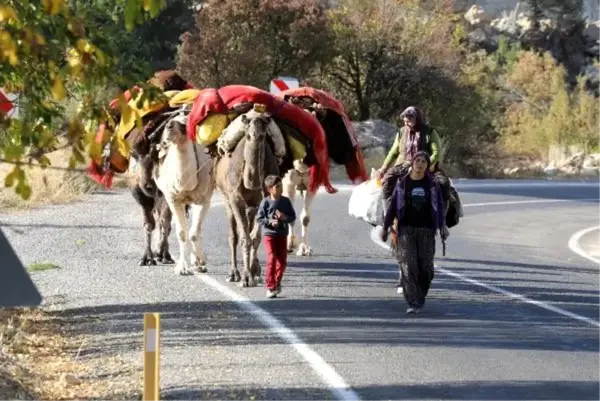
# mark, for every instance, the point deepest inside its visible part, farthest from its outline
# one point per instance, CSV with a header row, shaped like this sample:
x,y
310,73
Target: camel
x,y
184,174
296,179
148,196
155,209
240,176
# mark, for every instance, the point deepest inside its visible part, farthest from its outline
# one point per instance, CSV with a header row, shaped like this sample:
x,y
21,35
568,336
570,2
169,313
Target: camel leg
x,y
147,204
164,224
246,243
183,266
149,225
289,190
234,273
304,249
198,214
255,236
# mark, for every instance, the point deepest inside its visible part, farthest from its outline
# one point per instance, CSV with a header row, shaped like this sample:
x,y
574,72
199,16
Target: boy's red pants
x,y
276,249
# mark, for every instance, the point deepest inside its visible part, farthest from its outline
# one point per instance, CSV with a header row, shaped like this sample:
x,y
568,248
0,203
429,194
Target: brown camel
x,y
239,177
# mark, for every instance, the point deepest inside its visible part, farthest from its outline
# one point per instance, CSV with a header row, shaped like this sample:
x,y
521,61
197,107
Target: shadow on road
x,y
454,317
448,391
474,390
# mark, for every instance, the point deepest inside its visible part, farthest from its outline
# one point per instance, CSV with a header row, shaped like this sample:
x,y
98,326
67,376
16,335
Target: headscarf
x,y
421,128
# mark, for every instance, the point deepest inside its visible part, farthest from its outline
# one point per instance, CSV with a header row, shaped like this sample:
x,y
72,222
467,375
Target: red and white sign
x,y
8,103
280,84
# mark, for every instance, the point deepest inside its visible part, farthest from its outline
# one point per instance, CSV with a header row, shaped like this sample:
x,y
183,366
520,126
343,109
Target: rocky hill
x,y
578,51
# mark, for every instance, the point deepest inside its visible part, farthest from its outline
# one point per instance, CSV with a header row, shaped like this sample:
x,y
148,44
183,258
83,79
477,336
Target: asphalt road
x,y
512,315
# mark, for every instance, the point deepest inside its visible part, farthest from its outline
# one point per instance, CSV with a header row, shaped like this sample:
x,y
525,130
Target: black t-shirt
x,y
417,199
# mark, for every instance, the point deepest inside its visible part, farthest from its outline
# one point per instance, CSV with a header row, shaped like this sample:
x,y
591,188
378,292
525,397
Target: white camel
x,y
296,179
185,176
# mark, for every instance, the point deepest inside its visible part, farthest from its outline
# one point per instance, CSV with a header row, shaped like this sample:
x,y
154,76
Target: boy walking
x,y
274,215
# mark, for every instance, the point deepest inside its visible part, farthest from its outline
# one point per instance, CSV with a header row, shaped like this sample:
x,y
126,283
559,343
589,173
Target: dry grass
x,y
38,360
50,186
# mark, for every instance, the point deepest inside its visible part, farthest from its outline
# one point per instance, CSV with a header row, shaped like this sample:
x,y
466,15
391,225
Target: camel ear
x,y
245,119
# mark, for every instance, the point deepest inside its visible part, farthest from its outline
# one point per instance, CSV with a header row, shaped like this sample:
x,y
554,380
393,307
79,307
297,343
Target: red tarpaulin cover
x,y
233,95
355,167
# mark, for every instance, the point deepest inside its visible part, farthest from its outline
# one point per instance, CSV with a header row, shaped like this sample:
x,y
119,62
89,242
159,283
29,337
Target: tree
x,y
253,41
54,52
390,54
544,113
156,41
380,48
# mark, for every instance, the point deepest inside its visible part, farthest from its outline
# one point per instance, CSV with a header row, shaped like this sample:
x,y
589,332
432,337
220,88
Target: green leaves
x,y
134,14
61,58
22,188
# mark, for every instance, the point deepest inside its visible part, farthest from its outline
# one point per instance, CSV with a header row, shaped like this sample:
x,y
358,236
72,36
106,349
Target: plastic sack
x,y
366,201
209,131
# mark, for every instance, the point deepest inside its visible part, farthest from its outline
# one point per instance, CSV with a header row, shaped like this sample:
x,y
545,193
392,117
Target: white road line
x,y
377,240
518,202
336,384
576,247
458,183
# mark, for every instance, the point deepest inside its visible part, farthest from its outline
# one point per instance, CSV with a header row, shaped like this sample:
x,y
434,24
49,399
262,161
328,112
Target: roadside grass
x,y
40,360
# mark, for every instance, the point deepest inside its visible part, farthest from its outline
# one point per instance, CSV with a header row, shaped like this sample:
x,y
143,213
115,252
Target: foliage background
x,y
68,58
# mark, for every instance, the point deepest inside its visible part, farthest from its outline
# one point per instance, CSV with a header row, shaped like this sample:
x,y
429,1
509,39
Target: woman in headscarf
x,y
416,208
416,135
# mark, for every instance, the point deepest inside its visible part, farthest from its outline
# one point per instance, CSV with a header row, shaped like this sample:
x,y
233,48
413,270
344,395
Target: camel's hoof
x,y
304,250
184,270
258,280
164,258
147,261
247,282
234,277
201,269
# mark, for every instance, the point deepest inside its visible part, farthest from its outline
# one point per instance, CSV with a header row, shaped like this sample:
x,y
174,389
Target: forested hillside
x,y
523,85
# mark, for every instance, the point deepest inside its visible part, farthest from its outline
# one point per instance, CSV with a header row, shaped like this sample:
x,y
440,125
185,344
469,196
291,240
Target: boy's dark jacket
x,y
396,205
266,212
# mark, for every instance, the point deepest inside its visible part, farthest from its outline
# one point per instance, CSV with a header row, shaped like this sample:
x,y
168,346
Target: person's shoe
x,y
271,294
412,311
278,289
400,290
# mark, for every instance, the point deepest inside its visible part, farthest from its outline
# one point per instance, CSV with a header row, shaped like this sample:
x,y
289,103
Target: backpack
x,y
453,215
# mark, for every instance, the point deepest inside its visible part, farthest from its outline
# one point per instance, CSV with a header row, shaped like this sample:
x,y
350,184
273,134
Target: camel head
x,y
256,124
174,131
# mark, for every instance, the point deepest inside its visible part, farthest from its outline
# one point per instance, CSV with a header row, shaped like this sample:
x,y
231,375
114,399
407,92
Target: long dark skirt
x,y
415,251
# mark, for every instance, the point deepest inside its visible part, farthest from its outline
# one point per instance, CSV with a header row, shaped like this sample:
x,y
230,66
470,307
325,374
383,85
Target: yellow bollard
x,y
151,356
